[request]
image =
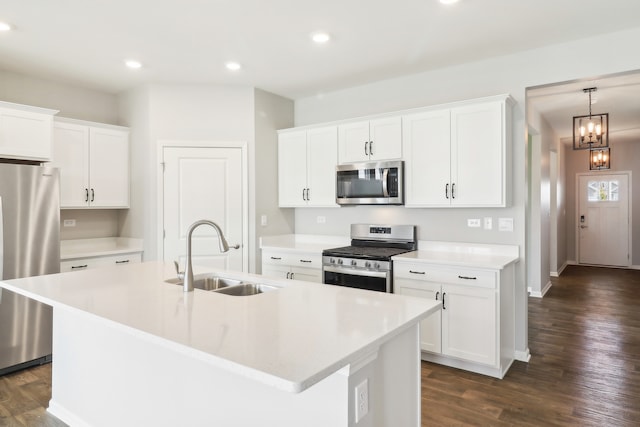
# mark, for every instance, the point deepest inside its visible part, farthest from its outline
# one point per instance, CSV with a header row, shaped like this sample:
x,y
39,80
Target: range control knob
x,y
332,261
340,261
376,265
367,264
353,262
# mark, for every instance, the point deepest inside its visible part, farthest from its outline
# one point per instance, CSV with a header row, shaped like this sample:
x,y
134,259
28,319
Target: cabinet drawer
x,y
97,262
303,259
440,274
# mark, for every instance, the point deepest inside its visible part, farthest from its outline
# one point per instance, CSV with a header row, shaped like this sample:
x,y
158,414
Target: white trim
x,y
523,356
629,212
243,145
66,416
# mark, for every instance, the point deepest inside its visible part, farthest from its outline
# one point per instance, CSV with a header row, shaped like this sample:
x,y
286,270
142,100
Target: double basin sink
x,y
223,285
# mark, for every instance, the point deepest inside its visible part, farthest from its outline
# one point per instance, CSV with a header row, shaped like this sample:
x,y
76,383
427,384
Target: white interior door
x,y
603,219
203,183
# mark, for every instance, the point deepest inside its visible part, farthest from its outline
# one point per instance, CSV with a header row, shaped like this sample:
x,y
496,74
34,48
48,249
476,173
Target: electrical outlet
x,y
473,222
69,223
362,400
488,223
505,224
263,220
321,219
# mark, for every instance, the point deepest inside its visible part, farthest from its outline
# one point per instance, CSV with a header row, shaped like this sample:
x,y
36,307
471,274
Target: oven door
x,y
353,278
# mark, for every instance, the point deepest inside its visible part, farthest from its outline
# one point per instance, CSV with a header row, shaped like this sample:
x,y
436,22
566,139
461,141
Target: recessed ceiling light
x,y
448,1
320,37
4,26
233,66
133,64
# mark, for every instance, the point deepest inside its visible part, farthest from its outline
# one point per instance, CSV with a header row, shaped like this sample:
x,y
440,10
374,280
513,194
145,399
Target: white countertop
x,y
85,248
473,255
303,242
290,338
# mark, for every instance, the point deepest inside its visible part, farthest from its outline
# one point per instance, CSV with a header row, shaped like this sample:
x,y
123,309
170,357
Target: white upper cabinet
x,y
307,167
370,140
25,132
458,156
94,165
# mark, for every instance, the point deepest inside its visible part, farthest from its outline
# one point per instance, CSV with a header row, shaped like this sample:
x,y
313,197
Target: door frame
x,y
629,212
173,143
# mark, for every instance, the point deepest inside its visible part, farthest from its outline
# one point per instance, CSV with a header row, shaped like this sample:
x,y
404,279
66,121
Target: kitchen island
x,y
131,349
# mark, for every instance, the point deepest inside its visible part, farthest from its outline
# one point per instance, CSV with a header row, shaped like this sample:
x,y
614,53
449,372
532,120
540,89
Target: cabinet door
x,y
469,327
385,136
431,327
292,169
25,134
478,155
308,274
426,144
276,271
353,142
109,168
71,156
322,158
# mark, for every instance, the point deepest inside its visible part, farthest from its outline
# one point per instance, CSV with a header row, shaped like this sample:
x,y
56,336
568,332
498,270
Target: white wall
x,y
178,112
72,101
272,112
507,74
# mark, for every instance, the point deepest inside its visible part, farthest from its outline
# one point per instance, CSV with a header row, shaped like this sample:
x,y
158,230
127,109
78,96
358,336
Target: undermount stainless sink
x,y
223,285
246,289
208,282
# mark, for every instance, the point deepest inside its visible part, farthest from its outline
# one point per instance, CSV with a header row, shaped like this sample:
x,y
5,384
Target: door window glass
x,y
602,191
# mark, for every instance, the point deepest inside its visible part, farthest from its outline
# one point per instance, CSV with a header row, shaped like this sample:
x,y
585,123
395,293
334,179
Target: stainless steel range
x,y
366,264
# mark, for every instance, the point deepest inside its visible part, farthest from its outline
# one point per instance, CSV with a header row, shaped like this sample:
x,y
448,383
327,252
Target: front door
x,y
203,183
603,219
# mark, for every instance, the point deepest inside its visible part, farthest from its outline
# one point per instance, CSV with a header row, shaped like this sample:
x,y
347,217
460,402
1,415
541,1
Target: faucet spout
x,y
188,272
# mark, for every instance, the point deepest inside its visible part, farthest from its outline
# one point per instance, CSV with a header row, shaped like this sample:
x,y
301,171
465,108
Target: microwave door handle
x,y
385,182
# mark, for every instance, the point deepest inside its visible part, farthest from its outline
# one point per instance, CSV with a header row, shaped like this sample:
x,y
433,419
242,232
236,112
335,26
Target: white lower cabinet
x,y
99,261
475,328
292,265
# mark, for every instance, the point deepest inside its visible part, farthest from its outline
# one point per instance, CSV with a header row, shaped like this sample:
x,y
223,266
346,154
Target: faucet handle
x,y
178,272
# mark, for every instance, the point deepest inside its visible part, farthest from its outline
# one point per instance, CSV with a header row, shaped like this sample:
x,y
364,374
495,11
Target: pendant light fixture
x,y
592,131
599,158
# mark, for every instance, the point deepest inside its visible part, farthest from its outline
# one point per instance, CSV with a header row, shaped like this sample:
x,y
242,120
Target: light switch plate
x,y
263,220
488,223
69,223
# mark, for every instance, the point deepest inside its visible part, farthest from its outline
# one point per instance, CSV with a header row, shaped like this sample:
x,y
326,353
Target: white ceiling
x,y
188,41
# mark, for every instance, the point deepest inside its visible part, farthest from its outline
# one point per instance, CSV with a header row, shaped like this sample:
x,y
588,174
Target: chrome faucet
x,y
224,247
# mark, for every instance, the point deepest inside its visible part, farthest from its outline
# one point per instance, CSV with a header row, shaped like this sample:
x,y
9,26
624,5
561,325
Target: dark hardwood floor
x,y
584,337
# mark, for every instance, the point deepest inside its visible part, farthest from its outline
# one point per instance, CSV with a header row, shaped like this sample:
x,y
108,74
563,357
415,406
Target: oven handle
x,y
355,272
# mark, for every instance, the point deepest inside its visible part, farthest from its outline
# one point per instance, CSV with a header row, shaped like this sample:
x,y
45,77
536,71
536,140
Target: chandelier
x,y
592,131
599,158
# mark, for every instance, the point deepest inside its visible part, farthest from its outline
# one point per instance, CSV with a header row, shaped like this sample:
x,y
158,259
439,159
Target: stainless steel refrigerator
x,y
29,246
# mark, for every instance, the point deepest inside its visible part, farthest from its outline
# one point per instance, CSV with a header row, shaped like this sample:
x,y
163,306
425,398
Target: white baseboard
x,y
523,356
560,270
64,415
542,293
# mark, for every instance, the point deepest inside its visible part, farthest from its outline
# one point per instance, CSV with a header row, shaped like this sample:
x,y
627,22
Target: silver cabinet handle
x,y
446,190
467,278
305,260
416,272
443,306
86,194
437,295
124,261
288,273
276,258
73,267
453,190
93,195
371,148
366,153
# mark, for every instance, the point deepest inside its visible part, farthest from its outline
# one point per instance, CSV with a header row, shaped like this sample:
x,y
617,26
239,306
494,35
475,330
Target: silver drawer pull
x,y
122,262
79,266
305,260
416,272
467,278
275,257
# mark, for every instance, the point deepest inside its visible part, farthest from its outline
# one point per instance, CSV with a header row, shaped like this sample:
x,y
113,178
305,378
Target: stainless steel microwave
x,y
378,183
